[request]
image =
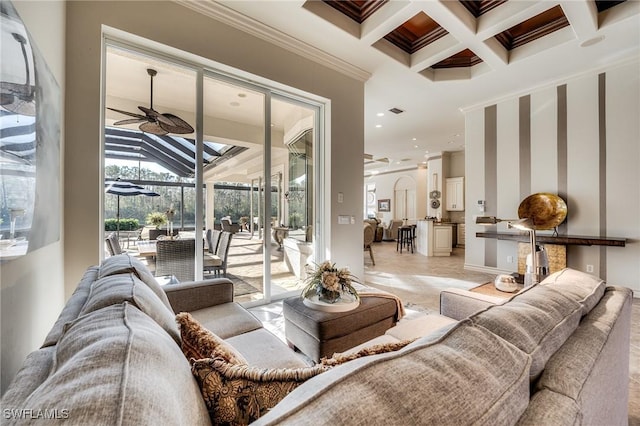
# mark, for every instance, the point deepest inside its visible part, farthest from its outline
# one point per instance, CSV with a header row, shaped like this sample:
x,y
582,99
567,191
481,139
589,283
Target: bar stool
x,y
405,237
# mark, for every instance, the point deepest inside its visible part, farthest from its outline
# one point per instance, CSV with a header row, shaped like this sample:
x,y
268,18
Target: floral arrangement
x,y
329,283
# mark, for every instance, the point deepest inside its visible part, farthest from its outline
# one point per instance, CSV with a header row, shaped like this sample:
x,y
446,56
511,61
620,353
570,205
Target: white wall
x,y
32,286
385,184
176,26
599,178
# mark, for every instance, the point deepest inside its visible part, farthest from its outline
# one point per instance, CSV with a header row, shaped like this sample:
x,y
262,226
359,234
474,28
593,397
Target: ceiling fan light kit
x,y
152,121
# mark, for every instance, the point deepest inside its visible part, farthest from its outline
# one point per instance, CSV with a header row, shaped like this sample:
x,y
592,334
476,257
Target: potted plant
x,y
329,283
156,219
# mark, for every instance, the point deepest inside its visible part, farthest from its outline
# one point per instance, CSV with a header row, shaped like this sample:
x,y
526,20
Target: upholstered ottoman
x,y
319,334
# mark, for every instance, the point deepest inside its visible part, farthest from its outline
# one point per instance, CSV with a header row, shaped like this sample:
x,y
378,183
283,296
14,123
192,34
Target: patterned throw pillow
x,y
371,350
199,343
239,394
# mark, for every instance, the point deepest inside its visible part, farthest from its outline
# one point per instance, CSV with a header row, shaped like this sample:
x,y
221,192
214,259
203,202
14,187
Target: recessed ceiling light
x,y
415,146
242,95
235,104
414,139
592,41
378,125
380,114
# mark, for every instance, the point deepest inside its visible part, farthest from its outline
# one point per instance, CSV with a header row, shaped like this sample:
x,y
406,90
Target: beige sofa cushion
x,y
125,264
588,354
583,288
549,408
420,384
227,319
117,366
73,306
126,287
538,321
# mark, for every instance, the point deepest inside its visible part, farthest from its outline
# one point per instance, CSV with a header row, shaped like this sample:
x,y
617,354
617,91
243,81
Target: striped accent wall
x,y
576,139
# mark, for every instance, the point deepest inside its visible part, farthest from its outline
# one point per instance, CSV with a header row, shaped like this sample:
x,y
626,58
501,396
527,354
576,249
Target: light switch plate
x,y
340,197
343,220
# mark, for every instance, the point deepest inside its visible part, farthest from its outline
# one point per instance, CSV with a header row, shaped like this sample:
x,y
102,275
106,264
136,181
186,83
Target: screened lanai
x,y
271,213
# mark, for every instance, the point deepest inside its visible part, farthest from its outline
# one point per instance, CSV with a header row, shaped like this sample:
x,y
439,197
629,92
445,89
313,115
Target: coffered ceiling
x,y
431,59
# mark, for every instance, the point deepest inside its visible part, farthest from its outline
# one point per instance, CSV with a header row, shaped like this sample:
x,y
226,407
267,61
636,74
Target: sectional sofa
x,y
556,353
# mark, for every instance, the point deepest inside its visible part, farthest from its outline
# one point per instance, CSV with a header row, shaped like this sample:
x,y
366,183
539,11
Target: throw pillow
x,y
371,350
199,343
239,394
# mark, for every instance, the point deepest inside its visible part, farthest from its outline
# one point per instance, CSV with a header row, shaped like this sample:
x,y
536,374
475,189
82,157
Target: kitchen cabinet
x,y
442,240
433,239
454,194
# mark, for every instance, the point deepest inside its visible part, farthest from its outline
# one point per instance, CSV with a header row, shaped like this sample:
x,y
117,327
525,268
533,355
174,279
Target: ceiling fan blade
x,y
130,121
179,126
152,114
130,114
153,128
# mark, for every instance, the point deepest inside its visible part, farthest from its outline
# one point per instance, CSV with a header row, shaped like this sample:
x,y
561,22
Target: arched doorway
x,y
404,198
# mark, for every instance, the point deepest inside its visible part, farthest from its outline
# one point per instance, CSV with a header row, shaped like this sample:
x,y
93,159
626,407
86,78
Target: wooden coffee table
x,y
491,290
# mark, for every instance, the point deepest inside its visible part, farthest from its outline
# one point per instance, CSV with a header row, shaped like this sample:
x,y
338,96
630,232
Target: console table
x,y
556,245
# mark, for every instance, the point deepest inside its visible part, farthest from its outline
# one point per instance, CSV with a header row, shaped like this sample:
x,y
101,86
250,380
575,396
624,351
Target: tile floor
x,y
418,280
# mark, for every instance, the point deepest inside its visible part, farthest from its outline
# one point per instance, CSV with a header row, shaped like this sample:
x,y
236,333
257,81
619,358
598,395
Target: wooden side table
x,y
491,290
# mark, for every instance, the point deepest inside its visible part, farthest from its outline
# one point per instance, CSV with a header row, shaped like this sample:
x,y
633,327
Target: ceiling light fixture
x,y
592,41
378,125
380,114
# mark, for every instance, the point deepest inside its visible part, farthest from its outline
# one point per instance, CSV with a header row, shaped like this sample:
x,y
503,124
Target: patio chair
x,y
177,258
217,263
113,245
228,226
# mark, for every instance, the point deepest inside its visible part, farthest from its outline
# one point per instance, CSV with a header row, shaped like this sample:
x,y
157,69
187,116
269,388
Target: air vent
x,y
396,110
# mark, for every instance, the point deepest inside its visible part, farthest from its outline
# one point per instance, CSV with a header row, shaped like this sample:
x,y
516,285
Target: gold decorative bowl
x,y
545,210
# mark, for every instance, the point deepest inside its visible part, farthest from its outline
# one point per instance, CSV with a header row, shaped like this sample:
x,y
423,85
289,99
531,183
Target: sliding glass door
x,y
256,162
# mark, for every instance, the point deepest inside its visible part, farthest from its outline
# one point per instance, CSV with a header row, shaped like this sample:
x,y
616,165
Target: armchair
x,y
369,236
391,232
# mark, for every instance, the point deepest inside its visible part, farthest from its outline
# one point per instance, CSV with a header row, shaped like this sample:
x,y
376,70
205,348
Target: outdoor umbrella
x,y
125,189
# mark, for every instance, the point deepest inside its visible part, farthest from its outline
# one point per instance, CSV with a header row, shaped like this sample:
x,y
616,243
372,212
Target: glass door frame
x,y
241,78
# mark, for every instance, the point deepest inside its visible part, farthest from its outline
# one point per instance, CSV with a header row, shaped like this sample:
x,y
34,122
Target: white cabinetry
x,y
442,240
454,194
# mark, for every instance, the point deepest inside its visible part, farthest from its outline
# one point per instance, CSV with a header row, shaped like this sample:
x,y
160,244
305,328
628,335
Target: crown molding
x,y
249,25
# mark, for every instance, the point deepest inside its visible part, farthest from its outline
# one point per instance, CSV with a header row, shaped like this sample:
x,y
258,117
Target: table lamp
x,y
539,263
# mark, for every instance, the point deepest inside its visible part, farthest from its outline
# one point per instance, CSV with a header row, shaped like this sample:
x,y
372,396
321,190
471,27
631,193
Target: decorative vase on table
x,y
329,283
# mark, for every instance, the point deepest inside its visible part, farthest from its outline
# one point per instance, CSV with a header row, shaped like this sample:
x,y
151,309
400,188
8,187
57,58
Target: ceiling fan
x,y
152,121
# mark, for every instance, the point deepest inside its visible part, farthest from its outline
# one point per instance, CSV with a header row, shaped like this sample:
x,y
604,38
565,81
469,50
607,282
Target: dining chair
x,y
177,258
217,263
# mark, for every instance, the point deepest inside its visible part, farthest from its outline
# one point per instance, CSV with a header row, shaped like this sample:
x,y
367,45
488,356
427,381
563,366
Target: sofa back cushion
x,y
585,289
73,307
117,366
126,287
465,375
124,264
537,321
592,367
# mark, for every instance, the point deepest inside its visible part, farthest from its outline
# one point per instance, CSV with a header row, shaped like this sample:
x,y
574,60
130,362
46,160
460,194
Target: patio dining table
x,y
147,248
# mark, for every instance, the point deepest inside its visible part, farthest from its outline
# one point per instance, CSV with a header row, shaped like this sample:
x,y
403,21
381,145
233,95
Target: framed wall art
x,y
384,205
